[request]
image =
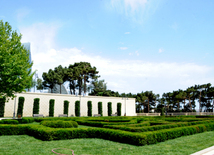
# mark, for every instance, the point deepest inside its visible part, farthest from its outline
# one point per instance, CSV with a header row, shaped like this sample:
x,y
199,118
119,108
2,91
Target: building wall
x,y
128,105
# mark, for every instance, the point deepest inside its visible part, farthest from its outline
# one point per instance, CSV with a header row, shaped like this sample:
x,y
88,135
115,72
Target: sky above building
x,y
136,45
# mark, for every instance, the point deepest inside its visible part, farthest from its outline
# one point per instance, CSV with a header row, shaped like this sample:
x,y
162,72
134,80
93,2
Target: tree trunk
x,y
184,102
148,105
60,88
144,107
190,105
84,84
80,86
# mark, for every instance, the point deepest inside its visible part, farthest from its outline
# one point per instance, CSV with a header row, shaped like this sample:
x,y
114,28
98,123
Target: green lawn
x,y
27,145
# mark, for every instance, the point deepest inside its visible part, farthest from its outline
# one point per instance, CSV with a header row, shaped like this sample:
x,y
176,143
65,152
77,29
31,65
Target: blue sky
x,y
136,45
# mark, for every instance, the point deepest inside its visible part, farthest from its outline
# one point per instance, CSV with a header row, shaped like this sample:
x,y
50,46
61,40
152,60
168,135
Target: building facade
x,y
127,105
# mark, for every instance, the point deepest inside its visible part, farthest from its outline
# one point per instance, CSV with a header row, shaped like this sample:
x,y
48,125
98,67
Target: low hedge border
x,y
101,124
47,134
154,128
60,124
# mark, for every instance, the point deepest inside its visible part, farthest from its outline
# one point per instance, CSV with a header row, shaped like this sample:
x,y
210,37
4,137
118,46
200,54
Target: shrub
x,y
36,106
77,108
66,105
25,120
9,121
2,105
89,108
51,107
20,106
109,108
118,109
100,108
60,124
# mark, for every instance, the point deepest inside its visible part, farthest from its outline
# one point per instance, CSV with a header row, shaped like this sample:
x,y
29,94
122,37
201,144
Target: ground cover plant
x,y
132,130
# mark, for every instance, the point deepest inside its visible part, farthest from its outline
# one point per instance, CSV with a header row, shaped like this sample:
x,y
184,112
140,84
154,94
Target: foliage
x,y
100,108
66,105
15,65
2,105
109,108
39,85
118,109
89,104
49,79
20,106
9,121
77,108
36,106
51,108
60,73
60,124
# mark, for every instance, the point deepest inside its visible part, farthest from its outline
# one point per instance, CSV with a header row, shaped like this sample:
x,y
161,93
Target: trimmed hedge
x,y
9,121
36,106
100,108
89,104
45,133
109,108
20,106
51,108
60,124
77,108
154,128
2,105
118,109
66,105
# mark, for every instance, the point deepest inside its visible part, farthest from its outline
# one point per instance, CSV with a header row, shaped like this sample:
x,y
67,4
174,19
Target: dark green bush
x,y
44,133
20,106
2,105
118,109
100,108
89,103
60,124
9,121
36,106
51,108
77,108
26,120
66,105
109,108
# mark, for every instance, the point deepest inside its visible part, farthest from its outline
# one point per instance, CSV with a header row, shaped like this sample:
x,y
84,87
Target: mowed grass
x,y
23,144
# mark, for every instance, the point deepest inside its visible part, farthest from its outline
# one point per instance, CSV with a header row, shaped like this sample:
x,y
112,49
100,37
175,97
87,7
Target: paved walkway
x,y
208,151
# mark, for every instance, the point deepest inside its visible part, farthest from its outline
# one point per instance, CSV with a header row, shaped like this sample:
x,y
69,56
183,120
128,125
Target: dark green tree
x,y
89,104
39,85
77,108
20,106
66,105
100,108
51,108
109,108
49,79
60,75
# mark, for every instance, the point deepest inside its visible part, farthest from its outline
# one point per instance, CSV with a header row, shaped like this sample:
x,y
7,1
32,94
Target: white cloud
x,y
136,10
127,32
121,75
160,50
123,48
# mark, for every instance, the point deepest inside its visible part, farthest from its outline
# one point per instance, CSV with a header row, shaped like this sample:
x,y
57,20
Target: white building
x,y
127,105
